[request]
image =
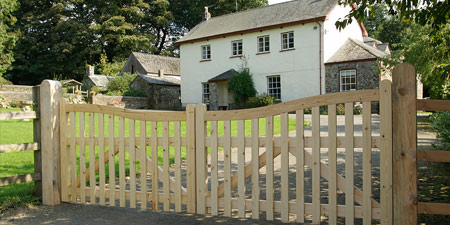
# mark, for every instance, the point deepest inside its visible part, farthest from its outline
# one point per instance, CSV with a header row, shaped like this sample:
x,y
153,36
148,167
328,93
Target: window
x,y
263,44
287,40
347,80
274,87
236,48
206,52
205,93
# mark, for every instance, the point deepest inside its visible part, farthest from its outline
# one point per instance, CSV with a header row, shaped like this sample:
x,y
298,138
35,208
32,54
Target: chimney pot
x,y
90,71
207,14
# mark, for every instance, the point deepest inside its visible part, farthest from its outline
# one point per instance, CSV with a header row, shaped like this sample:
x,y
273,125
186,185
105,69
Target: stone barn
x,y
91,79
148,64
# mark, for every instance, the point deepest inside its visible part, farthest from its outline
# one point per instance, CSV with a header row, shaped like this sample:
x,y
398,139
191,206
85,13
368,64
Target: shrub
x,y
121,84
96,89
260,100
4,81
440,121
242,86
109,68
135,93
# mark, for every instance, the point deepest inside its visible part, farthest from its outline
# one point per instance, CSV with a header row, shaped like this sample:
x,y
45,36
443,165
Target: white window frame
x,y
287,40
263,44
206,52
274,86
237,48
206,94
346,83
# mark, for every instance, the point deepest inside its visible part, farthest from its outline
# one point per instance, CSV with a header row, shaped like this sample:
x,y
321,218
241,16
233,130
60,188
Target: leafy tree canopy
x,y
8,36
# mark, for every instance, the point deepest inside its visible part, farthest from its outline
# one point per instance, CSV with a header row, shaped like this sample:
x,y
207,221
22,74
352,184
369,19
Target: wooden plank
x,y
404,136
73,157
132,162
143,163
37,138
214,169
122,181
166,173
101,157
349,165
200,127
255,174
284,123
367,164
65,177
316,165
112,161
92,181
18,115
82,135
241,165
227,167
6,148
177,149
332,164
154,147
433,155
433,105
19,179
386,191
190,158
145,115
300,166
269,167
433,208
304,103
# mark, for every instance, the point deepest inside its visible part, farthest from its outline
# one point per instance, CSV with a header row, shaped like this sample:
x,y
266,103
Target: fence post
x,y
190,158
404,144
50,97
37,138
201,154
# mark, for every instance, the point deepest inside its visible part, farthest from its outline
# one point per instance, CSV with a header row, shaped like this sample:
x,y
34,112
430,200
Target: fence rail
x,y
6,148
18,115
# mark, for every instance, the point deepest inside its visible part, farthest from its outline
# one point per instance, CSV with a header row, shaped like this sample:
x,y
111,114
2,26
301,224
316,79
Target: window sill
x,y
205,60
262,53
235,56
287,50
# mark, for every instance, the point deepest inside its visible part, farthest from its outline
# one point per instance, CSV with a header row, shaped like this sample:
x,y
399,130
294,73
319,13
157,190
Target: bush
x,y
242,86
260,100
121,84
4,81
440,121
96,89
135,93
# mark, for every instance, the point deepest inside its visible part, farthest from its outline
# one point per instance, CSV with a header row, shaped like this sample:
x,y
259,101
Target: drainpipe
x,y
320,58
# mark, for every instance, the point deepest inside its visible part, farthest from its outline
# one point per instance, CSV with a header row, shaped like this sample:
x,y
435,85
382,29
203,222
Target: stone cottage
x,y
148,64
91,79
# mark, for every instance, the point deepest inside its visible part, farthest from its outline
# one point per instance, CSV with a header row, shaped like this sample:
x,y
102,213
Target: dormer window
x,y
206,52
287,40
236,48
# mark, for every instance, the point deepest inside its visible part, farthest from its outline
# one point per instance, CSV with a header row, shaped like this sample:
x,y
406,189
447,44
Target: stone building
x,y
148,64
220,98
91,79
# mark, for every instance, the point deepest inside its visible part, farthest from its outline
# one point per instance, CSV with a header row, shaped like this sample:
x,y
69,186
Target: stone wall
x,y
367,75
129,102
214,97
161,97
16,88
10,96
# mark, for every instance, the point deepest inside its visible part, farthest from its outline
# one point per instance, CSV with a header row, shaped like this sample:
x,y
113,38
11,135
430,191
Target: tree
x,y
8,36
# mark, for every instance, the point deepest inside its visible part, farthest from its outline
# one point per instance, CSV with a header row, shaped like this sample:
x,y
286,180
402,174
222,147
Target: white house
x,y
285,46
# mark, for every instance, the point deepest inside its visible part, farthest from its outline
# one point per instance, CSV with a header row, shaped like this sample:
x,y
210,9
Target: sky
x,y
276,1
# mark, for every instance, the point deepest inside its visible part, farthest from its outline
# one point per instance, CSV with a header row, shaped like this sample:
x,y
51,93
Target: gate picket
x,y
284,122
154,147
82,159
112,161
300,167
101,155
73,157
132,162
255,161
227,167
122,161
367,164
241,164
349,176
214,169
166,174
332,164
92,181
143,164
177,149
269,167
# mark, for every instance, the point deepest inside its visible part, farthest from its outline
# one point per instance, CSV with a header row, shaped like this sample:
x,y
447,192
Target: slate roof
x,y
154,63
223,76
100,80
282,13
164,80
353,50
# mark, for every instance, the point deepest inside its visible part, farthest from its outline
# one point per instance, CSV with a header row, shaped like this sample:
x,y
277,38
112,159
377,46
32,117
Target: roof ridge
x,y
368,48
162,56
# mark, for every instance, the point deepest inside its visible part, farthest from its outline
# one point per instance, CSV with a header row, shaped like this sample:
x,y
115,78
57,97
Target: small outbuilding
x,y
149,64
72,86
91,79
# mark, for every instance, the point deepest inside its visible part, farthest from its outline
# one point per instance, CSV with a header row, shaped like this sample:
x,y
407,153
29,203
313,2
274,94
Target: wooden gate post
x,y
190,158
50,97
37,138
404,144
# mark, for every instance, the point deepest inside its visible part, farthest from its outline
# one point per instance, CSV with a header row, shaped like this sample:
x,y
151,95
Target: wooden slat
x,y
332,164
82,157
269,167
255,175
367,164
177,148
112,161
143,163
433,155
166,173
101,157
18,115
241,164
227,167
64,151
201,152
304,103
349,168
433,208
92,181
154,145
4,181
6,148
214,169
433,105
73,157
316,164
37,138
144,115
300,166
132,162
190,158
284,123
122,162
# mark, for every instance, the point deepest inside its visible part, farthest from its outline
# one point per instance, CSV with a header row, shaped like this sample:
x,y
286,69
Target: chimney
x,y
90,71
160,73
207,14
